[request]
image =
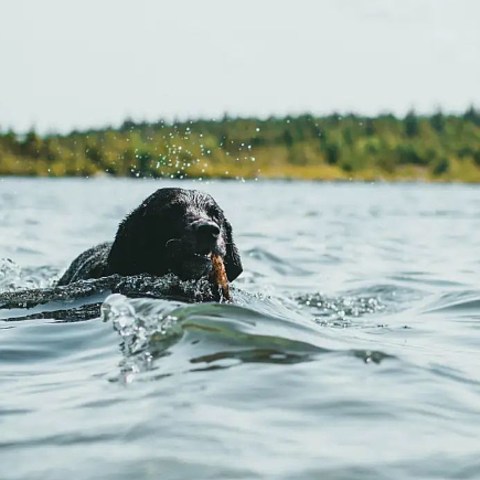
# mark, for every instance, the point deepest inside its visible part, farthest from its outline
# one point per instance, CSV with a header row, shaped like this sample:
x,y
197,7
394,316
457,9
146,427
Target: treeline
x,y
434,147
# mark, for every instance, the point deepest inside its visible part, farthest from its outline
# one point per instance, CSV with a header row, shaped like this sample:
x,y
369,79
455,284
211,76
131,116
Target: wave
x,y
457,302
215,336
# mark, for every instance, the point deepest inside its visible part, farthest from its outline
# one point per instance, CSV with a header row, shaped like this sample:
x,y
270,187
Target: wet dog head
x,y
174,230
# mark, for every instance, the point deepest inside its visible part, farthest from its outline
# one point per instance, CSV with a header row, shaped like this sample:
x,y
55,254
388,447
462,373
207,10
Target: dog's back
x,y
90,264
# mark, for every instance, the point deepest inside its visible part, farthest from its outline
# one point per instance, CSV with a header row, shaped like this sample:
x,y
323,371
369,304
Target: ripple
x,y
456,301
276,263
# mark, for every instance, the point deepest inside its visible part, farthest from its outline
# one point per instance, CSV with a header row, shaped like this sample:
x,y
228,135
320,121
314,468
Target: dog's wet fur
x,y
173,231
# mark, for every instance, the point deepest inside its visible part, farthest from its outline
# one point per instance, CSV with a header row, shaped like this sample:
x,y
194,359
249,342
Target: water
x,y
351,351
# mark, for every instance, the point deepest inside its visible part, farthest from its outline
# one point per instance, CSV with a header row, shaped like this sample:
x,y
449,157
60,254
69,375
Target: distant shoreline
x,y
440,148
401,181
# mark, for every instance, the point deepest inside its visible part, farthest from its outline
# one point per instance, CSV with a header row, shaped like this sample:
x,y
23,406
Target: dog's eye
x,y
212,211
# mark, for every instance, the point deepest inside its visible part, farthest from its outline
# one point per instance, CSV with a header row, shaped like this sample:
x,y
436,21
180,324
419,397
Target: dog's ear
x,y
127,244
233,263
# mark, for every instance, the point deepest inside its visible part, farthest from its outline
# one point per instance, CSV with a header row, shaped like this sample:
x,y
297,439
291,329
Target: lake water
x,y
352,351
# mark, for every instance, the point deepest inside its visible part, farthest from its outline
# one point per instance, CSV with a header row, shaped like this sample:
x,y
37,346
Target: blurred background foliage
x,y
442,147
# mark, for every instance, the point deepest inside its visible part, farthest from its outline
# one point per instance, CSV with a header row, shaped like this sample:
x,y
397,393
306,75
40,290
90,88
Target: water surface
x,y
351,351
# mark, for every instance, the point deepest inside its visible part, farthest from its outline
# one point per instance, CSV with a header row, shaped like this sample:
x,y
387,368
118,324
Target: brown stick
x,y
219,276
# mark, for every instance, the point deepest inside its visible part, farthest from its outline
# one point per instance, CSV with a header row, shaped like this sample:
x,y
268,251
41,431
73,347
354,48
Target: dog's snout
x,y
207,230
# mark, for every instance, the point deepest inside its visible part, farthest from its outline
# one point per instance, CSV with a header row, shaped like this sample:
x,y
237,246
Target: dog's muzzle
x,y
192,254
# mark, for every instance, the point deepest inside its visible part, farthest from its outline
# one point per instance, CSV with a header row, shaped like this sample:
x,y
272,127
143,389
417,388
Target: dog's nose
x,y
207,230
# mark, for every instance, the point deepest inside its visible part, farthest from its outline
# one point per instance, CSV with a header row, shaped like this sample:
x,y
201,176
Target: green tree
x,y
370,129
411,124
32,144
437,121
332,153
441,166
472,115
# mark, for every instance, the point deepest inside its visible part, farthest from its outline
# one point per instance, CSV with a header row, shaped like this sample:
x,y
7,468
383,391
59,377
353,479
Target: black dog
x,y
172,231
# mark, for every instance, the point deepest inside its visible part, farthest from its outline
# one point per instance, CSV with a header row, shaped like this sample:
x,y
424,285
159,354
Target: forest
x,y
436,147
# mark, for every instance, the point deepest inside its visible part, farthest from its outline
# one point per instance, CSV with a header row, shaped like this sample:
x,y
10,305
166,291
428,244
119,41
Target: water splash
x,y
339,311
10,273
146,327
14,277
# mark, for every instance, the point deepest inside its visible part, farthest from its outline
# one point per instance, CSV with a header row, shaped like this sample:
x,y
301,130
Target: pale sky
x,y
74,64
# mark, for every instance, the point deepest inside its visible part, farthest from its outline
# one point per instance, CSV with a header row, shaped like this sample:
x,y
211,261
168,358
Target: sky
x,y
68,64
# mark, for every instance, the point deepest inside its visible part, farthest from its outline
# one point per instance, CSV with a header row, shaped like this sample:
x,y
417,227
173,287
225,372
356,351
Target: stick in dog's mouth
x,y
219,276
